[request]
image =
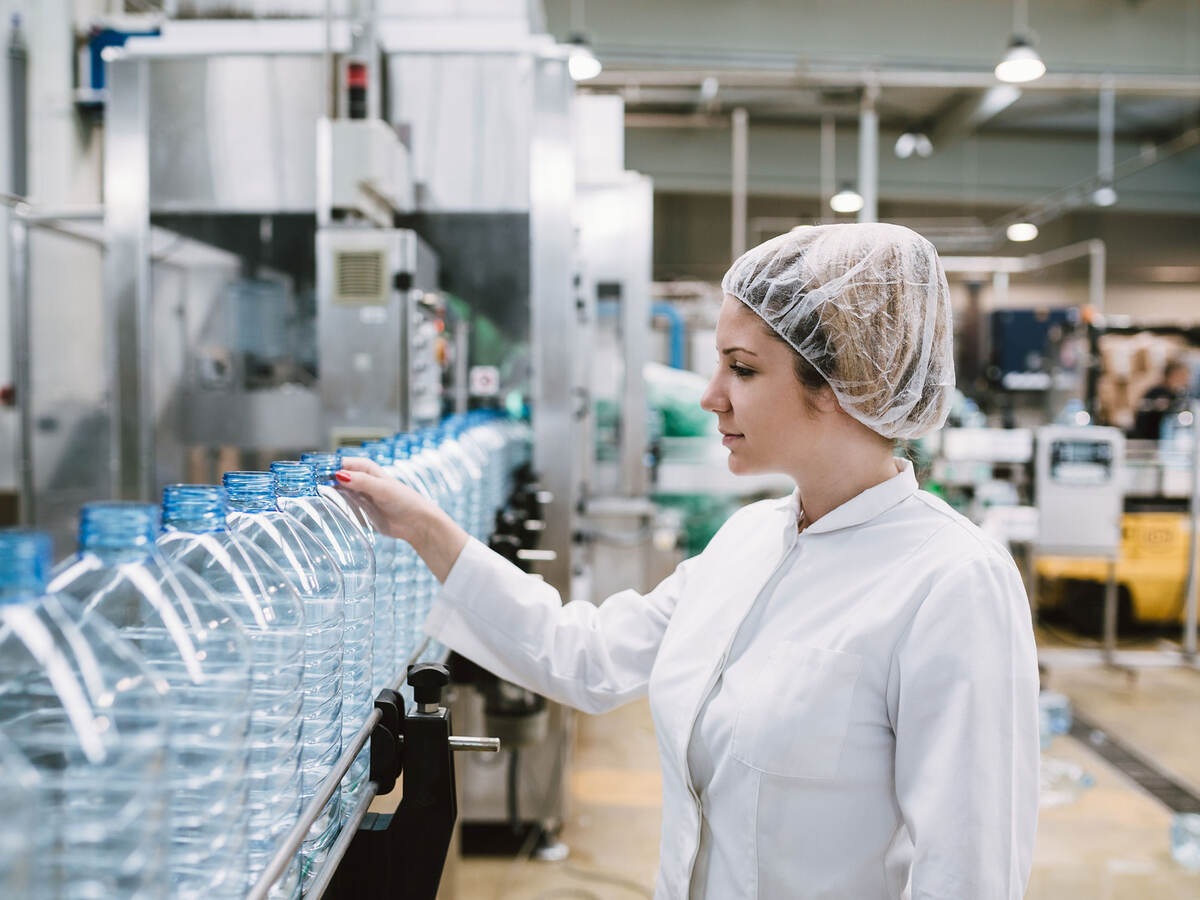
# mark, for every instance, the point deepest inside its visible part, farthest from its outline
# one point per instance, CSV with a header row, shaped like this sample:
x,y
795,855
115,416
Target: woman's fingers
x,y
361,464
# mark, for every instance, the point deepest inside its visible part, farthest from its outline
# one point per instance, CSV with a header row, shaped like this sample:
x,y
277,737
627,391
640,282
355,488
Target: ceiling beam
x,y
969,114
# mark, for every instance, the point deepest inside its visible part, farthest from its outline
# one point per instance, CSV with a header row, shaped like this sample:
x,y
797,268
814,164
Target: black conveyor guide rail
x,y
295,838
1147,774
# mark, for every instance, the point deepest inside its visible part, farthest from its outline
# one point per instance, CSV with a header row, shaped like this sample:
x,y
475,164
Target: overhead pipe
x,y
790,73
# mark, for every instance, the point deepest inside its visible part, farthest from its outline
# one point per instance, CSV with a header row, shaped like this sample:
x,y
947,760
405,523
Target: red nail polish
x,y
343,477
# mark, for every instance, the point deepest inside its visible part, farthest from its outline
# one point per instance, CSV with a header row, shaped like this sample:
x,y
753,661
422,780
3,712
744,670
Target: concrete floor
x,y
1110,844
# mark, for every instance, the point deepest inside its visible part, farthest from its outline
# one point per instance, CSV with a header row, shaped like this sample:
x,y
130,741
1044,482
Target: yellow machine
x,y
1151,574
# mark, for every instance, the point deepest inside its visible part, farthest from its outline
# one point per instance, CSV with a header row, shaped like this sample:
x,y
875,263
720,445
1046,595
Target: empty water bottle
x,y
383,665
194,641
296,494
310,567
83,709
196,537
418,581
19,850
1185,840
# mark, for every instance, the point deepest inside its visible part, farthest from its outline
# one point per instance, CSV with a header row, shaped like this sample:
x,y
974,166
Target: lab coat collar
x,y
862,508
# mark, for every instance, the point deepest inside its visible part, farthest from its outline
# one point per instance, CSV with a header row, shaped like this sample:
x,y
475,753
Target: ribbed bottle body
x,y
195,643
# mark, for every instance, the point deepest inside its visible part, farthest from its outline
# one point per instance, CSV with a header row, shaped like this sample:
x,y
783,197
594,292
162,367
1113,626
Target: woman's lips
x,y
728,439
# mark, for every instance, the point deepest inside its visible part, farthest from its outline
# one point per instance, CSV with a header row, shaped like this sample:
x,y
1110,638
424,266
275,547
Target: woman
x,y
844,683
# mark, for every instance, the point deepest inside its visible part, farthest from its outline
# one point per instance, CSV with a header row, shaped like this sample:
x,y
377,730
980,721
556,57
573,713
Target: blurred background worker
x,y
1169,396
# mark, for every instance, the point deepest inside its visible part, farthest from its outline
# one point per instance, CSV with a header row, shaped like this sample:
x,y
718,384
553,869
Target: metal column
x,y
127,277
551,190
741,154
868,156
20,334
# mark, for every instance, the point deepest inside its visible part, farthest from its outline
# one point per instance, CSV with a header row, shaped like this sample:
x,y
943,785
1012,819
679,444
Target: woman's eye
x,y
740,371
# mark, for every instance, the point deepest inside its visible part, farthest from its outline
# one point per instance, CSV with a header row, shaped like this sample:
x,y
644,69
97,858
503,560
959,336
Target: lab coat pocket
x,y
793,718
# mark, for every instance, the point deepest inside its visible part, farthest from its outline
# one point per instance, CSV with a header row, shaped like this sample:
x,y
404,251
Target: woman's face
x,y
761,407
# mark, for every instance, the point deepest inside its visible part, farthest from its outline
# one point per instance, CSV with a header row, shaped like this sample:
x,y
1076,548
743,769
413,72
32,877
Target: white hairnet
x,y
869,308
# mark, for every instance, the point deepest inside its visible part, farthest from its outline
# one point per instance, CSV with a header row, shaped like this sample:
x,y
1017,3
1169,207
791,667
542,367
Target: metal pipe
x,y
1031,262
295,838
22,371
868,155
1190,595
828,162
1107,128
462,375
1110,614
1097,257
789,72
741,152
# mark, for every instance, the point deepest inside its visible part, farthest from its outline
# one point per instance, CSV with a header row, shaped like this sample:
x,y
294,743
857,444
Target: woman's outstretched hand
x,y
400,512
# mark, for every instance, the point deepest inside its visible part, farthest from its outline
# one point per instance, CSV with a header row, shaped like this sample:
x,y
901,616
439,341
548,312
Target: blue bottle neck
x,y
250,492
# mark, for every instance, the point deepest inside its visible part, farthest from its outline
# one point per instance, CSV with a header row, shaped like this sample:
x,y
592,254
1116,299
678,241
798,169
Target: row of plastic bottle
x,y
173,695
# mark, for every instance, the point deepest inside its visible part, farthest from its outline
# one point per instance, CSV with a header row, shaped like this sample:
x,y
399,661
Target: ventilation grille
x,y
361,277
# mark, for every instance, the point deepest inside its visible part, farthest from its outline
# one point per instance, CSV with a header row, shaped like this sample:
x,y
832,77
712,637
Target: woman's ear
x,y
824,400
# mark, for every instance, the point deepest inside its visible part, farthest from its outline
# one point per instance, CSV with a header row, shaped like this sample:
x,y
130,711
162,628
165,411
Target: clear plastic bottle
x,y
297,495
196,537
81,708
461,458
21,826
383,666
310,567
196,644
420,584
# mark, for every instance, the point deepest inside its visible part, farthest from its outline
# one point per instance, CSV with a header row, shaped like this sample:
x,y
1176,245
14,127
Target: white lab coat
x,y
849,712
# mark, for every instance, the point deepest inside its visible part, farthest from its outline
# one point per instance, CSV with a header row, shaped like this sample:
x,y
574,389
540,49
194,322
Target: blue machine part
x,y
1020,338
91,65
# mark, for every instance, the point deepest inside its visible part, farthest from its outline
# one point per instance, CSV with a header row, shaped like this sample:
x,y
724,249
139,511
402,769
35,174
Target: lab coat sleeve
x,y
963,692
591,657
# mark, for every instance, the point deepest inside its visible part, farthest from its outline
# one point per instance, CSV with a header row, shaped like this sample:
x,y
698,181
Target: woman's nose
x,y
713,399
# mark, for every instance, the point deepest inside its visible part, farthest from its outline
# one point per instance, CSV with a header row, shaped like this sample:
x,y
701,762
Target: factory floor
x,y
1111,843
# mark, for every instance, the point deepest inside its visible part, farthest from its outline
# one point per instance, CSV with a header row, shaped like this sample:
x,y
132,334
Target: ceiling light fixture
x,y
1021,62
1021,231
847,200
582,62
1104,195
913,142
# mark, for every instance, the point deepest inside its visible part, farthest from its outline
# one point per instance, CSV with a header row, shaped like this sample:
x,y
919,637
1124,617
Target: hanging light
x,y
1021,231
582,62
847,200
1104,195
1021,62
911,142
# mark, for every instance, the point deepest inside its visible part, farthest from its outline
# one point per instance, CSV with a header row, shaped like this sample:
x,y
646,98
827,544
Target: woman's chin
x,y
739,466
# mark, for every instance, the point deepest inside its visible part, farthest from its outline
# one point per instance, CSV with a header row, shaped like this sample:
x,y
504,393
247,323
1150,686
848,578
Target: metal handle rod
x,y
320,883
484,744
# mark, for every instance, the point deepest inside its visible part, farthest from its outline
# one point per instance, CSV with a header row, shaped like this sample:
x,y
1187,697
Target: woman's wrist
x,y
436,537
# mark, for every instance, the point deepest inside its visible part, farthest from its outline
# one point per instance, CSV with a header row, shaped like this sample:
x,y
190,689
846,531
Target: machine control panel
x,y
1079,490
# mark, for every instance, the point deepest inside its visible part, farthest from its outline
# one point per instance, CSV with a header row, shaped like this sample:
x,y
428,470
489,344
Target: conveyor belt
x,y
1154,780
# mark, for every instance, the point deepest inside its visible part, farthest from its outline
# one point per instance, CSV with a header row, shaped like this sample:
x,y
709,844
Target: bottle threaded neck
x,y
249,491
193,507
115,525
294,478
25,560
324,465
381,452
